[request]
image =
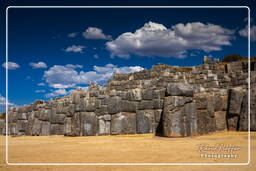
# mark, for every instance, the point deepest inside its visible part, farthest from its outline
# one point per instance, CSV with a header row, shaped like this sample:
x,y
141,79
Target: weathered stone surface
x,y
148,94
45,114
76,124
46,128
123,123
134,95
36,127
179,89
67,126
235,102
89,123
57,118
145,120
57,129
129,106
60,108
169,101
205,122
221,121
104,125
114,105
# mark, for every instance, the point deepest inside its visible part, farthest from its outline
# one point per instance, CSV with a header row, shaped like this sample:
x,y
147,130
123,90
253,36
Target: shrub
x,y
232,57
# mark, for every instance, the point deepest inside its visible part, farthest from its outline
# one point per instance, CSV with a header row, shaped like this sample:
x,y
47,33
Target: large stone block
x,y
67,126
45,114
57,118
57,129
104,125
235,100
148,94
205,122
123,123
129,106
145,121
221,121
60,108
179,89
145,104
46,128
89,123
76,124
134,95
69,110
114,105
92,104
159,93
36,127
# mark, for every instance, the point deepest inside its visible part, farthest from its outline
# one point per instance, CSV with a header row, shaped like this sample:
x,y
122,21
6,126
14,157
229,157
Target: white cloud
x,y
11,65
40,91
74,66
41,84
3,103
155,39
56,93
38,65
75,49
244,32
73,35
95,33
65,77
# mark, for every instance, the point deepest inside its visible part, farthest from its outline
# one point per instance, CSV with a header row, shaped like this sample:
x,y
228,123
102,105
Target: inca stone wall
x,y
166,101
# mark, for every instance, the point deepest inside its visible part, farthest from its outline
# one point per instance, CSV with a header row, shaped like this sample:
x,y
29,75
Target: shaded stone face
x,y
168,101
123,123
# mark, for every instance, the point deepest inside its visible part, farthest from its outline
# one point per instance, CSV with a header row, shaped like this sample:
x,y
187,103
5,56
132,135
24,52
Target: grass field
x,y
125,149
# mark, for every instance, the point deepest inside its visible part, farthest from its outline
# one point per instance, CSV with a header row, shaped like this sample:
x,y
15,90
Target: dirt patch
x,y
125,149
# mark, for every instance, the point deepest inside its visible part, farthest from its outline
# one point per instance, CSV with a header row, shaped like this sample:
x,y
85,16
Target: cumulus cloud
x,y
3,103
65,77
40,91
95,33
56,93
73,35
11,65
38,65
41,84
155,39
244,32
75,49
74,66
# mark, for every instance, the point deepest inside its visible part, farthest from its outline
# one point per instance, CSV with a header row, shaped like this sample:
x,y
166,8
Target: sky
x,y
53,51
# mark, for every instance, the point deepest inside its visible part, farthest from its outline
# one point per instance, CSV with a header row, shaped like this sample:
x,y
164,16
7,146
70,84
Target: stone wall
x,y
167,101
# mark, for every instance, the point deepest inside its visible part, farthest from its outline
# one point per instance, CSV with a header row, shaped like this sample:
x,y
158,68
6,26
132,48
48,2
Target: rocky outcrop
x,y
167,101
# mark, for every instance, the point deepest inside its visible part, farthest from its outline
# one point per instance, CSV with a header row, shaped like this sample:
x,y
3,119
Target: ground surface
x,y
125,149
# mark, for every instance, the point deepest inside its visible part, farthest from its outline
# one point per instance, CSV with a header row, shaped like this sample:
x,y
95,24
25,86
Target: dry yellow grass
x,y
123,149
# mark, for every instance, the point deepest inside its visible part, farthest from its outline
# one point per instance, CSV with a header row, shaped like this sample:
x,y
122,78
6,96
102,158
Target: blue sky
x,y
53,51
